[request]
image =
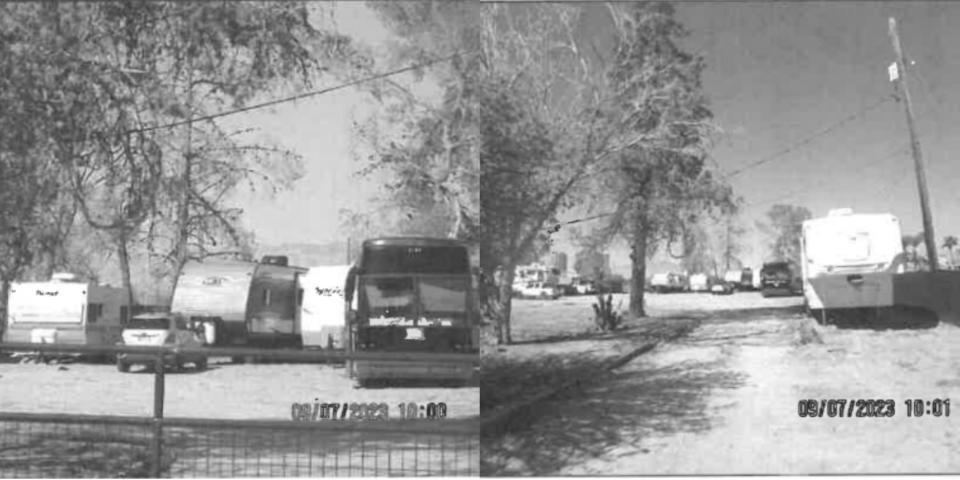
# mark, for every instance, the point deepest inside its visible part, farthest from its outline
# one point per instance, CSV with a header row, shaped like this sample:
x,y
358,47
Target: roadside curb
x,y
499,422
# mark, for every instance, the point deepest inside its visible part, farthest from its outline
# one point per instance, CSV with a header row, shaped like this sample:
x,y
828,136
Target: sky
x,y
779,73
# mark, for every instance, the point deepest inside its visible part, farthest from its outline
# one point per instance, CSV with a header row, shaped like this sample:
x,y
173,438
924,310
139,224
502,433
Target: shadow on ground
x,y
590,421
628,407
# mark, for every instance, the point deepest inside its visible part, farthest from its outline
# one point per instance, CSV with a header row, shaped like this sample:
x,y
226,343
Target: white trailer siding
x,y
65,312
841,254
322,311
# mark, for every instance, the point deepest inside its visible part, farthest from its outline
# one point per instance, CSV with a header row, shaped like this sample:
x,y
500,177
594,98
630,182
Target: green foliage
x,y
427,150
785,224
605,317
86,88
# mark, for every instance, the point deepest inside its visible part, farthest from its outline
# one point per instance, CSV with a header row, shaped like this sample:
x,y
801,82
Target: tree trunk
x,y
638,272
506,297
124,256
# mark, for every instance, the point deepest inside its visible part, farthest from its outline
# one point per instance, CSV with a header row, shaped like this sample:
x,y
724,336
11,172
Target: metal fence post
x,y
157,417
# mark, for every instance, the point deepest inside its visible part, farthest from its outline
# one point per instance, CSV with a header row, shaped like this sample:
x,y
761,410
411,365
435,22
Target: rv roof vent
x,y
836,212
63,277
280,260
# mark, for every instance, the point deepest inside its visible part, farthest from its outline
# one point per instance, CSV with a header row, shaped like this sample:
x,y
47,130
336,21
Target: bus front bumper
x,y
372,369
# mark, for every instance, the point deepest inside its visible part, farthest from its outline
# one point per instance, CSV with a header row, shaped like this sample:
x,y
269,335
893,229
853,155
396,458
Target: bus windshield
x,y
415,260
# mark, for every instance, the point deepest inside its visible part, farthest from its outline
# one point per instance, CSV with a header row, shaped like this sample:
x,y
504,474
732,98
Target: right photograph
x,y
718,238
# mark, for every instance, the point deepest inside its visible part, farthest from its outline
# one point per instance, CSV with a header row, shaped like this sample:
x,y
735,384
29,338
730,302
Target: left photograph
x,y
239,239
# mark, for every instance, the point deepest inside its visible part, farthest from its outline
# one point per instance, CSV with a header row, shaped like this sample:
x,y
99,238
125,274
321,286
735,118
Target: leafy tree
x,y
99,79
428,150
950,243
658,183
785,224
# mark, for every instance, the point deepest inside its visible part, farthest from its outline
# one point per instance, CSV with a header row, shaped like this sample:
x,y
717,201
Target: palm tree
x,y
950,242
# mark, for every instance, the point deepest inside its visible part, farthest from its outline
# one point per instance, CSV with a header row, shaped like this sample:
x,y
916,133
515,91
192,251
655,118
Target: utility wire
x,y
300,96
811,138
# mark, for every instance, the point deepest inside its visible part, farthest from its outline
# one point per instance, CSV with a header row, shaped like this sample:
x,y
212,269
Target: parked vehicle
x,y
413,295
848,261
170,330
668,283
65,311
584,287
242,303
699,282
746,280
539,290
780,278
722,288
322,307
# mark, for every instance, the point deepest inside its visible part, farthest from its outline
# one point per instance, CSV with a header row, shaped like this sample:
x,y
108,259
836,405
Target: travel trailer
x,y
241,303
848,261
65,311
322,306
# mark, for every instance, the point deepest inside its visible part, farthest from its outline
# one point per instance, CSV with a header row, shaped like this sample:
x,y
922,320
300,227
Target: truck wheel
x,y
122,366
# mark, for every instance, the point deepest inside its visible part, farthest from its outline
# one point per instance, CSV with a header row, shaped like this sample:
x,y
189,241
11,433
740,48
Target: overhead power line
x,y
811,138
300,96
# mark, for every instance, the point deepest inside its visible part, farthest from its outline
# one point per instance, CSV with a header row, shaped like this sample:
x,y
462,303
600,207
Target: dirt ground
x,y
225,390
723,399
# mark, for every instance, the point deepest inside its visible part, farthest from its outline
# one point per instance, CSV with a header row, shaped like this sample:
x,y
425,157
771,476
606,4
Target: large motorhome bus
x,y
849,262
241,303
412,295
65,311
323,308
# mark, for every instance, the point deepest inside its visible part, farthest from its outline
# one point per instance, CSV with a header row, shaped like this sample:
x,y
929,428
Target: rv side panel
x,y
216,289
323,309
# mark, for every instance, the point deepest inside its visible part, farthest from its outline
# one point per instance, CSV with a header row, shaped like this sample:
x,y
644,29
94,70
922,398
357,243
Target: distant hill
x,y
308,254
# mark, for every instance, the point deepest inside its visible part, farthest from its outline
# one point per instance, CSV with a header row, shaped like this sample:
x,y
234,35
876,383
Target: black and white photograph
x,y
724,237
463,238
238,240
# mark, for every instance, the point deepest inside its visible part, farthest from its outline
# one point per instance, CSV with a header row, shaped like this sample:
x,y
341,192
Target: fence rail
x,y
271,354
69,445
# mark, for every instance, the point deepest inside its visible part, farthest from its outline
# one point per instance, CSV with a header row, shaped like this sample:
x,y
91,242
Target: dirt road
x,y
724,399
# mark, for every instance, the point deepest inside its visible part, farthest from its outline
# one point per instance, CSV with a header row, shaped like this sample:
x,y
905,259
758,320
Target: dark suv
x,y
780,278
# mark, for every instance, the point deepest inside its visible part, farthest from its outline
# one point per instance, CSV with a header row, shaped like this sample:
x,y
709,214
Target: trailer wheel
x,y
122,366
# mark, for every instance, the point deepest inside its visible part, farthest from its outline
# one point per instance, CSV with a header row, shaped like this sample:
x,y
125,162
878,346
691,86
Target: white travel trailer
x,y
322,310
848,260
65,311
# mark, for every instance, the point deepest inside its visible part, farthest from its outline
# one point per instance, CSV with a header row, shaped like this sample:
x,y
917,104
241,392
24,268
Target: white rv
x,y
322,309
65,311
847,260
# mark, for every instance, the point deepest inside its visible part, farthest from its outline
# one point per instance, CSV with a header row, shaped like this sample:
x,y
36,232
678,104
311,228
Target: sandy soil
x,y
223,391
723,400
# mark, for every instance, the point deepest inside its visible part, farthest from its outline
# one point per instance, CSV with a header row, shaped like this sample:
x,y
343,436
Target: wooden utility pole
x,y
928,234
